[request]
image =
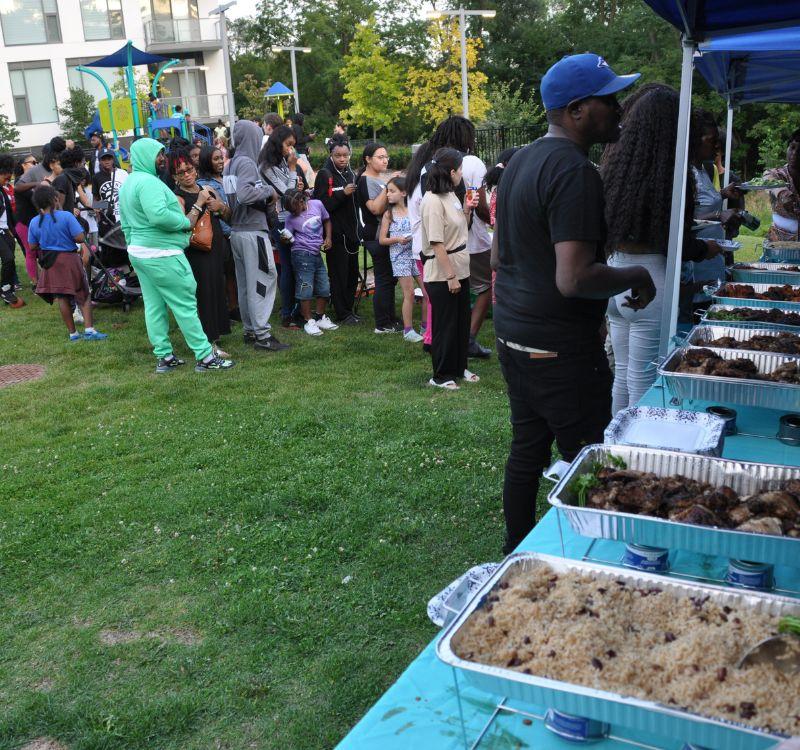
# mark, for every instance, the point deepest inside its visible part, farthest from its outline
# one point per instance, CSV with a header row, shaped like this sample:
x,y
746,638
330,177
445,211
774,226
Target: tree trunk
x,y
374,134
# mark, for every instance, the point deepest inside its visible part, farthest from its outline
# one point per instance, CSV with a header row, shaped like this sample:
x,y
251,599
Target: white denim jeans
x,y
635,335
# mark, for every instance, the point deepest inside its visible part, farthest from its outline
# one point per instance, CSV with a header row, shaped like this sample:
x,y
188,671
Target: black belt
x,y
426,258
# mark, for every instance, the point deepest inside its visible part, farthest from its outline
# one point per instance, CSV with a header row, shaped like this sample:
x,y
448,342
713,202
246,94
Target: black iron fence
x,y
491,142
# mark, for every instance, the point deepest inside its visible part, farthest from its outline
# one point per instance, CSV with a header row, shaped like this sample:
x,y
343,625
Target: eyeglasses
x,y
184,172
31,162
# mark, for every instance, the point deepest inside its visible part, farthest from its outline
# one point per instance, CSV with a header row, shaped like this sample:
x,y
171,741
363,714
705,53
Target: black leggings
x,y
343,274
7,266
385,282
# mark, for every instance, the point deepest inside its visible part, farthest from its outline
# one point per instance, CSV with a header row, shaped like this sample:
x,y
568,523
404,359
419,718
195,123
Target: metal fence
x,y
490,142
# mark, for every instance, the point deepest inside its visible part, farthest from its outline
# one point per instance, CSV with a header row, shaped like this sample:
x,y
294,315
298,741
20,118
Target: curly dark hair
x,y
179,156
455,132
6,164
638,169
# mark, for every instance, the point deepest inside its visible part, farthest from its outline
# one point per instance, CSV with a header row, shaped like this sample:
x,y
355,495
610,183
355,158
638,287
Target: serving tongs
x,y
780,651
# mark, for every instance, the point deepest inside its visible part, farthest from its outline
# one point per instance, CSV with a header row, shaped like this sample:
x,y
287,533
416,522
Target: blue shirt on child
x,y
307,228
56,231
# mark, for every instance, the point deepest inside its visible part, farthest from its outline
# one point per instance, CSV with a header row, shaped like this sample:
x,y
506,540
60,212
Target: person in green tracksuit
x,y
157,231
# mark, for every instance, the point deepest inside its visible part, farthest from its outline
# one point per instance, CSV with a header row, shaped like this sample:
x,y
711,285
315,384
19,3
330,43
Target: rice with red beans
x,y
641,642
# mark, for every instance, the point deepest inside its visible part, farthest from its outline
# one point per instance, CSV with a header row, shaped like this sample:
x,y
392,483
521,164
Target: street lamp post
x,y
462,24
226,62
291,50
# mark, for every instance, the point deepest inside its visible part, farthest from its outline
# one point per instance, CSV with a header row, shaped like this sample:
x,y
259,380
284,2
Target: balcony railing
x,y
182,33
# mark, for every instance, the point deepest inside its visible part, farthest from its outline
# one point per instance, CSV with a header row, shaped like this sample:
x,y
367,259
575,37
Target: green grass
x,y
262,541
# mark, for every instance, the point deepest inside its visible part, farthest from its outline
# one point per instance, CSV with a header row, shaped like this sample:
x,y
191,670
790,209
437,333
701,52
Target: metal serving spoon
x,y
781,651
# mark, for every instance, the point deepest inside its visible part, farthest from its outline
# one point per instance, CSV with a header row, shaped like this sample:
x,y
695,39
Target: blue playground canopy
x,y
754,67
278,89
701,18
120,59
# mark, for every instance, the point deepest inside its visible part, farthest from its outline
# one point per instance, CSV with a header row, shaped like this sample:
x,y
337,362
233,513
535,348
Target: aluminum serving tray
x,y
764,273
745,478
772,254
719,297
748,323
702,334
616,709
762,393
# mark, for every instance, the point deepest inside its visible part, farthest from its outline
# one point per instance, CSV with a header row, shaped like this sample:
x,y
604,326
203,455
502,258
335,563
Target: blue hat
x,y
579,77
106,152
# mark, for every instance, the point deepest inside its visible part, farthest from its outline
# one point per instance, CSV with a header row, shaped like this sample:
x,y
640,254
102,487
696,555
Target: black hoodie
x,y
329,188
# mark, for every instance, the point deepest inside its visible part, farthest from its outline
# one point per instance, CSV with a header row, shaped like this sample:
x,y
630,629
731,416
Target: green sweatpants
x,y
169,283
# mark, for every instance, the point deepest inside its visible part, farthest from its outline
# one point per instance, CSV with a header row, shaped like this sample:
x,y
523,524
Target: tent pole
x,y
669,314
728,144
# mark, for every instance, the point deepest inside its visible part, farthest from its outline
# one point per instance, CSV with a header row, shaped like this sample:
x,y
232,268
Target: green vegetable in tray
x,y
789,624
723,315
764,182
587,481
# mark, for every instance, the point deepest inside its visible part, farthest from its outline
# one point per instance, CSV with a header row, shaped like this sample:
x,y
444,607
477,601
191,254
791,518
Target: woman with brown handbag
x,y
207,248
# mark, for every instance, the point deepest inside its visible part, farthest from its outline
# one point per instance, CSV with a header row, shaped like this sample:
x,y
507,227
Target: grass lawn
x,y
229,560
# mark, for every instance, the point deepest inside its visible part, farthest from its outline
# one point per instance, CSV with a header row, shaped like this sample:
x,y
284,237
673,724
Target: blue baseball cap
x,y
578,77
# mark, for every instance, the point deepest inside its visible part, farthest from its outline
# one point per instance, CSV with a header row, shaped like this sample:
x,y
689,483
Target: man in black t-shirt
x,y
553,285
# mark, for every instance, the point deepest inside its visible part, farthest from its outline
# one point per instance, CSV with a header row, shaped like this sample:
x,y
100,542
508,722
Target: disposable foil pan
x,y
719,297
775,252
745,478
616,709
764,273
762,393
747,323
703,334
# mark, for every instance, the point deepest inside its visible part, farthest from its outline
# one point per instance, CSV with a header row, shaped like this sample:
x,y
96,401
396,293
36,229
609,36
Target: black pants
x,y
285,272
385,282
567,398
7,265
451,333
343,274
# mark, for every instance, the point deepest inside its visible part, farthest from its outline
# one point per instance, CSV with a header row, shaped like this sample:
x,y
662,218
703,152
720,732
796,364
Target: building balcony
x,y
202,107
174,35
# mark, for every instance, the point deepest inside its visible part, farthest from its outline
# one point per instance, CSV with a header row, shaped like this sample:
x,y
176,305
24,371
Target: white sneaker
x,y
311,328
326,324
77,316
412,336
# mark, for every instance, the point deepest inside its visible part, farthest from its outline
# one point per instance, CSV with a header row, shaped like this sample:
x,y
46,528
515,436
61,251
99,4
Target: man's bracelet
x,y
195,207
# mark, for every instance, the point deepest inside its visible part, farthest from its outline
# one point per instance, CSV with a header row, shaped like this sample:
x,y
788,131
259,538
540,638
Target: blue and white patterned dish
x,y
669,429
443,608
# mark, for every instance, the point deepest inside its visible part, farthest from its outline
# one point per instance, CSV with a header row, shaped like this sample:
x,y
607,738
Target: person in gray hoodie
x,y
256,275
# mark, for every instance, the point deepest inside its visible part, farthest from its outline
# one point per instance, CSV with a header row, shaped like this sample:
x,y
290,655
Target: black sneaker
x,y
397,326
249,337
9,297
350,320
387,329
168,364
270,344
476,351
213,363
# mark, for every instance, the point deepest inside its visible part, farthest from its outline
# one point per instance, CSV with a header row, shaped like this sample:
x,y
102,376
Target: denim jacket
x,y
216,186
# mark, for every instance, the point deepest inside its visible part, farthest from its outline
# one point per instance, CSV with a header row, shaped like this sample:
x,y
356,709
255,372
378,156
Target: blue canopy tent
x,y
127,57
701,21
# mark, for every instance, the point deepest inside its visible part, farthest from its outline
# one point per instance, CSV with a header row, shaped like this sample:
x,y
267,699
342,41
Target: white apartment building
x,y
43,41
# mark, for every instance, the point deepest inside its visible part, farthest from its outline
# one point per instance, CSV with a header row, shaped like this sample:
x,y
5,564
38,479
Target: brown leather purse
x,y
203,233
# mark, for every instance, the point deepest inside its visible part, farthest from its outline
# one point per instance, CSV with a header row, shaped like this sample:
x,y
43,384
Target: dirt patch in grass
x,y
45,685
44,743
184,636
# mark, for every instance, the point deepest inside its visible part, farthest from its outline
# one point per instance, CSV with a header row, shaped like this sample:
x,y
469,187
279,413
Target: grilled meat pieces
x,y
705,362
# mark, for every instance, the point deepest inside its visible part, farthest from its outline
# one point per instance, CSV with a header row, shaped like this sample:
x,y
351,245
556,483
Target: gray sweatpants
x,y
256,279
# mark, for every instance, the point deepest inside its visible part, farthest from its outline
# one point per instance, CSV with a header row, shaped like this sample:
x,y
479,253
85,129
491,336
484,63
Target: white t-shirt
x,y
479,239
139,251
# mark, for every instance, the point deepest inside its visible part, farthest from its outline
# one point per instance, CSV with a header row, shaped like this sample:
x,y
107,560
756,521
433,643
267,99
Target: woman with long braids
x,y
637,175
371,192
335,186
455,132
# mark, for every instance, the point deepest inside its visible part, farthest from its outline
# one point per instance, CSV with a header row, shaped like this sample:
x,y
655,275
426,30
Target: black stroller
x,y
112,280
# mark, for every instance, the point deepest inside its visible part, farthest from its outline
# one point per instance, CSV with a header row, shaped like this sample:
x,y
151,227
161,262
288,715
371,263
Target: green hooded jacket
x,y
149,211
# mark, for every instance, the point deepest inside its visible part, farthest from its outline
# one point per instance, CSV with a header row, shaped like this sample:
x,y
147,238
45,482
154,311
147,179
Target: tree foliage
x,y
251,103
508,106
373,86
434,88
76,113
9,135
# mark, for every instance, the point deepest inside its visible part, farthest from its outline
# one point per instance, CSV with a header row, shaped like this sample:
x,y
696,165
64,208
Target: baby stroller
x,y
112,280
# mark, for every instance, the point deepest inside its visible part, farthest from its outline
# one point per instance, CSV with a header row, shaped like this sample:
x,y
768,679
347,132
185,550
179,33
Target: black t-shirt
x,y
370,221
550,192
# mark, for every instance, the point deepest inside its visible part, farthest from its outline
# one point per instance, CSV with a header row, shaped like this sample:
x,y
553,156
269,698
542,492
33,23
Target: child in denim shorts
x,y
308,221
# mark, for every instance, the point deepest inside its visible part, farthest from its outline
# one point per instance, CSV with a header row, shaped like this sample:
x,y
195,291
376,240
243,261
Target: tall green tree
x,y
76,113
373,86
9,135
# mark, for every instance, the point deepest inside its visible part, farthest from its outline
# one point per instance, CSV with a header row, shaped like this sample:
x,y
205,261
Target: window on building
x,y
33,92
30,22
102,19
80,80
167,9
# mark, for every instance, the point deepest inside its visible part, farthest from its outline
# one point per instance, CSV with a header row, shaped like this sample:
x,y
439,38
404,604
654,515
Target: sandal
x,y
448,385
470,377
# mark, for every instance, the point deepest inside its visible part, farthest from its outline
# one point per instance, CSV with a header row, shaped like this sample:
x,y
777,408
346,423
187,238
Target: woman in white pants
x,y
637,175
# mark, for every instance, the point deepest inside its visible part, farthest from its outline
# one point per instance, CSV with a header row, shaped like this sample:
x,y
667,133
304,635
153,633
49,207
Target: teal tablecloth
x,y
421,712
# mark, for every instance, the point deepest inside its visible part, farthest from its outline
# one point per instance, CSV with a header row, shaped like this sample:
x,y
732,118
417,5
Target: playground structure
x,y
279,91
131,114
